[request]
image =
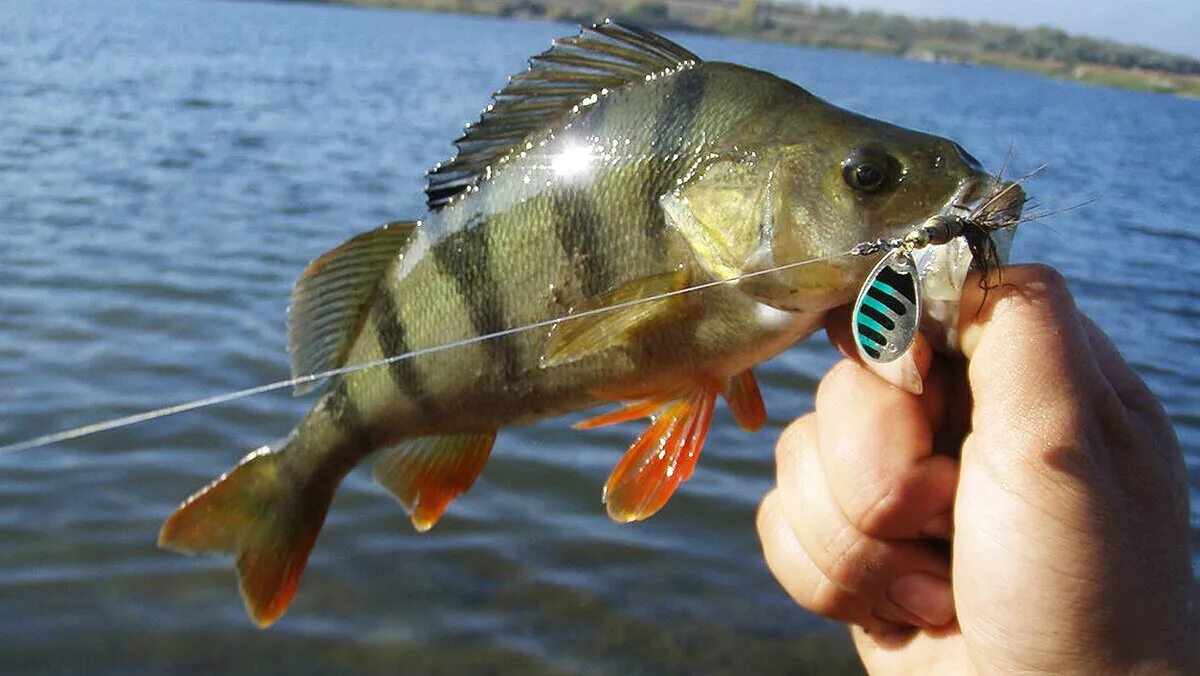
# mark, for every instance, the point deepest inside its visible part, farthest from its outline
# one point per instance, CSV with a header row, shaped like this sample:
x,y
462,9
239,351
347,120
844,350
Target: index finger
x,y
876,447
907,373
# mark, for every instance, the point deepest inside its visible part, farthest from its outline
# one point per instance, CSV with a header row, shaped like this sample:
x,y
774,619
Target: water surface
x,y
167,169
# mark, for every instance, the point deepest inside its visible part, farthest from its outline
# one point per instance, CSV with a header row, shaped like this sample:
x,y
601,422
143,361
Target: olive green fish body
x,y
619,168
538,240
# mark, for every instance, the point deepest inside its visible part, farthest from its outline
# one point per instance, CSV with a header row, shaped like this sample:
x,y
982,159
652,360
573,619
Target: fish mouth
x,y
989,209
998,205
989,203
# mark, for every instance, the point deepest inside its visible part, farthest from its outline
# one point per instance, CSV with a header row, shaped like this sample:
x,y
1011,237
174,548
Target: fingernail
x,y
889,613
901,373
940,527
927,596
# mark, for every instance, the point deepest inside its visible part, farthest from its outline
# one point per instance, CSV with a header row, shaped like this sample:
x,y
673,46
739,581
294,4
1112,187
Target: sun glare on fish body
x,y
575,159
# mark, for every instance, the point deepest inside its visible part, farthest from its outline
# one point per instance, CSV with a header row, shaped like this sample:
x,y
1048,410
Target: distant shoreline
x,y
1045,51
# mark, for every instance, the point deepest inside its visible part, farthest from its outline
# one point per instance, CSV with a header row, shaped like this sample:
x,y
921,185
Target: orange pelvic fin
x,y
662,457
427,473
270,523
634,411
744,399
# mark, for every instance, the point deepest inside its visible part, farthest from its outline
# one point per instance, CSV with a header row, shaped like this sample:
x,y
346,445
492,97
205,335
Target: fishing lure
x,y
888,308
887,312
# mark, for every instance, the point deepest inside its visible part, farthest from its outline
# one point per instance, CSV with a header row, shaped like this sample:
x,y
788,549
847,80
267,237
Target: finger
x,y
907,372
1129,387
839,333
936,399
837,330
1152,424
1031,367
898,579
876,451
802,580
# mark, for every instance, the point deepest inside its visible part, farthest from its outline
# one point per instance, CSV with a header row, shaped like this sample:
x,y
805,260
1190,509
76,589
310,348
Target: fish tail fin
x,y
269,521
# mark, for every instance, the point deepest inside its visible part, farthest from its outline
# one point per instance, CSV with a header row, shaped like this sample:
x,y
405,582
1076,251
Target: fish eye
x,y
868,171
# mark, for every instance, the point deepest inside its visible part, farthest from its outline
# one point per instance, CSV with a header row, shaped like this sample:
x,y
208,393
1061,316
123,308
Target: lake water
x,y
167,169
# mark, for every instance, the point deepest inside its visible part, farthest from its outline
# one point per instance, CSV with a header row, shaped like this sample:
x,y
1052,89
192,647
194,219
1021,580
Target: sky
x,y
1170,25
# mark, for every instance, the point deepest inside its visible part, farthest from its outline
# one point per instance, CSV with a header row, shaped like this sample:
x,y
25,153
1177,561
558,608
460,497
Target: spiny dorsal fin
x,y
330,298
602,57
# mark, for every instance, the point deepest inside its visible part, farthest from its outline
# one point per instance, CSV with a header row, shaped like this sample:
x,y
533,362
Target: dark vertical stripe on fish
x,y
393,340
345,414
466,257
580,232
673,128
672,135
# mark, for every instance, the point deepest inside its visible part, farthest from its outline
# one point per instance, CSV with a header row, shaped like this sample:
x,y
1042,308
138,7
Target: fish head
x,y
790,193
858,181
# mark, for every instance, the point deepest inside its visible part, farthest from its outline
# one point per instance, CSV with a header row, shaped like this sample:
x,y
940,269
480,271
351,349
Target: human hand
x,y
1043,463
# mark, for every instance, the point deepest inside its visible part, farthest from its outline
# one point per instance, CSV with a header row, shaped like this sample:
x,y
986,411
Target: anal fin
x,y
427,473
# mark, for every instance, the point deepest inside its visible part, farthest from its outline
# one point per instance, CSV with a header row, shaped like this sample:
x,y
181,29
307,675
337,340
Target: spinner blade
x,y
888,309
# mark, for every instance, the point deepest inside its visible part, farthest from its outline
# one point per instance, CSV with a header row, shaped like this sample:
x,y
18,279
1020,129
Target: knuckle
x,y
766,510
829,600
835,378
1044,276
899,504
854,560
1042,287
877,507
795,437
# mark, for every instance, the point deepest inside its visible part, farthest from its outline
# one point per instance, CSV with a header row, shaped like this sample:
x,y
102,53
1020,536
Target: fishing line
x,y
146,416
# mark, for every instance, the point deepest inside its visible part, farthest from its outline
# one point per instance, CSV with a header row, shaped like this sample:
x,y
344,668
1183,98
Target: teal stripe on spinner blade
x,y
884,287
865,320
868,300
867,341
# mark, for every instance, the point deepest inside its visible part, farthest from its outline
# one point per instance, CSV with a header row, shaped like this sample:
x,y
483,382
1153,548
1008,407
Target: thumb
x,y
1031,364
1033,488
1039,402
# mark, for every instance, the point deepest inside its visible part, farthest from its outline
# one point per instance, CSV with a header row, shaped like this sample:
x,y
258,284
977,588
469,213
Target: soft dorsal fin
x,y
331,296
602,57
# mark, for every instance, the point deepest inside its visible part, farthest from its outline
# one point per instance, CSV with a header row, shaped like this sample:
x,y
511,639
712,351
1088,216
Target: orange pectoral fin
x,y
661,458
744,399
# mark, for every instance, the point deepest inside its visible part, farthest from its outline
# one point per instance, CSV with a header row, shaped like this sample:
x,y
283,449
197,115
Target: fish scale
x,y
619,167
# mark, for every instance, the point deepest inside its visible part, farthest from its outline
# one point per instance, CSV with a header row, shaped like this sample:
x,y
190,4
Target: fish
x,y
617,172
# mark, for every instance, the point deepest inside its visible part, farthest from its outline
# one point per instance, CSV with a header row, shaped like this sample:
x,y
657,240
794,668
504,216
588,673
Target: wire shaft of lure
x,y
146,416
936,230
